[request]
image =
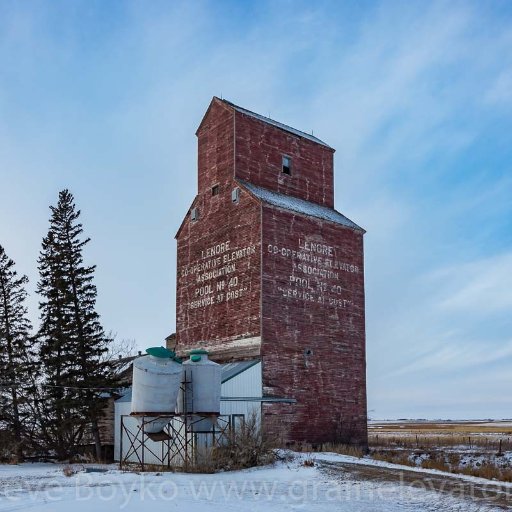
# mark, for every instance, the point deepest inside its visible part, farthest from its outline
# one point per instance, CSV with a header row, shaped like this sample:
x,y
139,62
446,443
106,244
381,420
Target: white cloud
x,y
477,288
406,93
454,354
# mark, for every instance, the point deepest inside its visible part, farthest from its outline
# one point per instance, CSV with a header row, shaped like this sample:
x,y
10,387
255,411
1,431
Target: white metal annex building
x,y
241,397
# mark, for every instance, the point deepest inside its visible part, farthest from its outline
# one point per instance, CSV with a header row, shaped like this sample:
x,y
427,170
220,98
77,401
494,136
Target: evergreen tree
x,y
56,406
71,339
17,365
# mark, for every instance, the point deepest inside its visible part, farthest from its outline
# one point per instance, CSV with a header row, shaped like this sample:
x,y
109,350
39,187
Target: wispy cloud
x,y
415,97
453,355
477,288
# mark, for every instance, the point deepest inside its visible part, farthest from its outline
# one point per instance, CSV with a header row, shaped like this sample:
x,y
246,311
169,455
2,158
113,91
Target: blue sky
x,y
104,98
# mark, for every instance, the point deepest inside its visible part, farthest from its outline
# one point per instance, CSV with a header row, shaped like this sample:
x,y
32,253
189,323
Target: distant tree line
x,y
52,380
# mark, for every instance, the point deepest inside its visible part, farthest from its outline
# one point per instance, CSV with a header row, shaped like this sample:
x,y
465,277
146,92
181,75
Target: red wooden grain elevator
x,y
269,270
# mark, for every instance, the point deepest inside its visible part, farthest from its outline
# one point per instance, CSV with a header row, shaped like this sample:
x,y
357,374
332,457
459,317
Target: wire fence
x,y
487,442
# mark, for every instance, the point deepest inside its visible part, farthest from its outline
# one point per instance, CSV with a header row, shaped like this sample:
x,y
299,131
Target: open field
x,y
498,427
471,434
477,448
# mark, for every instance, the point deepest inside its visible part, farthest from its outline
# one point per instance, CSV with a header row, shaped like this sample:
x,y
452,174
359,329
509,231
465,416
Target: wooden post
x,y
121,443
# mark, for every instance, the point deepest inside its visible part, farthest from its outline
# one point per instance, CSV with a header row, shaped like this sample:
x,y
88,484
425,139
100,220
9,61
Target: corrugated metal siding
x,y
247,383
248,409
121,408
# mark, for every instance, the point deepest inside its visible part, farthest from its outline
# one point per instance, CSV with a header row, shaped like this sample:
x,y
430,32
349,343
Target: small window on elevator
x,y
287,165
215,190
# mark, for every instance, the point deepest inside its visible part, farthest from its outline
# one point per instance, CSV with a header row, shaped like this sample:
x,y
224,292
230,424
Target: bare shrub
x,y
308,462
13,460
83,458
8,448
453,459
243,448
68,470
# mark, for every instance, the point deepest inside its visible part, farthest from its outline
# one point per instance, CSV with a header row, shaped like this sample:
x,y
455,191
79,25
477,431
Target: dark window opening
x,y
215,190
237,422
287,165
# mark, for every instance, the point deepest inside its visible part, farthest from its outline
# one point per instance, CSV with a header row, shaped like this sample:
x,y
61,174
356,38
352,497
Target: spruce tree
x,y
17,365
56,405
71,339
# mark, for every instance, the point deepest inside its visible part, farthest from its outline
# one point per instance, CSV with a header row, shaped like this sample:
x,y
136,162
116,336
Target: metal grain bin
x,y
203,396
156,383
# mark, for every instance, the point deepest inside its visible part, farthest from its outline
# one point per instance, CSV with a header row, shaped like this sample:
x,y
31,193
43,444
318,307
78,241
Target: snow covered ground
x,y
284,486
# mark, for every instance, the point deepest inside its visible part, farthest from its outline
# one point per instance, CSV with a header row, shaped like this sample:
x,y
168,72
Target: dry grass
x,y
431,441
343,449
489,471
447,462
438,464
440,445
499,428
393,457
453,459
